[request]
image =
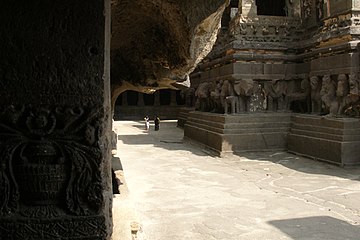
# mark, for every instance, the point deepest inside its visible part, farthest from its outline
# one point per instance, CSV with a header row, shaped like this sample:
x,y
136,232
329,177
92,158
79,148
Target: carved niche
x,y
50,162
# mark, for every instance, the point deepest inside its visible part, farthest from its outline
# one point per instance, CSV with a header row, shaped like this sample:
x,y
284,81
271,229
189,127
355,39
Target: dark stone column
x,y
173,98
124,99
157,98
140,100
55,125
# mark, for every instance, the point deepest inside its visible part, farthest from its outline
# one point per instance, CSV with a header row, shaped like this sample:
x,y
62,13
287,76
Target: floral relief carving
x,y
48,157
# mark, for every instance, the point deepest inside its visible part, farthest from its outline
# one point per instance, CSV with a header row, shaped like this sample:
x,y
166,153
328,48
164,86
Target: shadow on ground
x,y
169,137
305,165
316,228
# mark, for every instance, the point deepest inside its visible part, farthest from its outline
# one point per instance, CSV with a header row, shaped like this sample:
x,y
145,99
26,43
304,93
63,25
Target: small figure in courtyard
x,y
157,123
147,123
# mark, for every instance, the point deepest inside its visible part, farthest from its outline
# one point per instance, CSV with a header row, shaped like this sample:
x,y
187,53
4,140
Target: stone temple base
x,y
228,134
183,116
335,140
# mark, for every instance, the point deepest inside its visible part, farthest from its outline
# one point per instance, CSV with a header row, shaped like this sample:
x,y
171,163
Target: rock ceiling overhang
x,y
156,43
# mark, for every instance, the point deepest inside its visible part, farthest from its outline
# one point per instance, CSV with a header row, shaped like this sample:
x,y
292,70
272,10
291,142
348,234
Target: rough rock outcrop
x,y
159,42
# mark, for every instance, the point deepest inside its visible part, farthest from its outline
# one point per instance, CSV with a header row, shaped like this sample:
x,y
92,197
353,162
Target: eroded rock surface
x,y
156,43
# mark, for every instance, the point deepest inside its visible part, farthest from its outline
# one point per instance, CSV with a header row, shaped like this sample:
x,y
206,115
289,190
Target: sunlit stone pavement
x,y
176,190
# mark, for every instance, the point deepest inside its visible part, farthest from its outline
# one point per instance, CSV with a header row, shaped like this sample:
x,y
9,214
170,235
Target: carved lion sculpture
x,y
352,107
342,93
328,96
315,86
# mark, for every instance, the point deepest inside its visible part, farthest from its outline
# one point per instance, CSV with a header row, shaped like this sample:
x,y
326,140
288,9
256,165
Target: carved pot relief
x,y
50,162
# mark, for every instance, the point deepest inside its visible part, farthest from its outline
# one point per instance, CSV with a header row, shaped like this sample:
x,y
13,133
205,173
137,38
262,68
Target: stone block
x,y
227,134
335,140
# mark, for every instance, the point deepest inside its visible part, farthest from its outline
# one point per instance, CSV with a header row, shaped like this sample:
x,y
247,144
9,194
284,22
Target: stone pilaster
x,y
173,98
55,124
140,102
124,99
157,98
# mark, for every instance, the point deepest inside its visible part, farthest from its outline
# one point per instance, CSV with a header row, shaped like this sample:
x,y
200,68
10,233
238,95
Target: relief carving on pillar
x,y
49,162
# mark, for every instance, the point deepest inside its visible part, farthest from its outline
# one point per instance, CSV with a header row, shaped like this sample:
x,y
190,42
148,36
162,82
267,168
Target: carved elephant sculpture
x,y
276,92
244,89
202,94
229,98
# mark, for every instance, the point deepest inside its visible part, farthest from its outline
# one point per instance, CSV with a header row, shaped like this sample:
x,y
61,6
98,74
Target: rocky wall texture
x,y
157,43
54,120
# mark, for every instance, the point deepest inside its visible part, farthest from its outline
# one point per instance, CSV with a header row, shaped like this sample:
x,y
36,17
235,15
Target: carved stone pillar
x,y
124,99
157,98
140,102
55,123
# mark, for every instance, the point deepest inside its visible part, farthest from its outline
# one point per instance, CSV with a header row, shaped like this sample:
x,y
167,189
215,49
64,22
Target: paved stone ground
x,y
177,191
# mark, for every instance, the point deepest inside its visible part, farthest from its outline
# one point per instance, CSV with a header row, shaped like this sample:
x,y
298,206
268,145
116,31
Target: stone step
x,y
335,140
328,136
329,122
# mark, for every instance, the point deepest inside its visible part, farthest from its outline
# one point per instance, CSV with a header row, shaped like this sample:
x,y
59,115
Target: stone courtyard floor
x,y
175,190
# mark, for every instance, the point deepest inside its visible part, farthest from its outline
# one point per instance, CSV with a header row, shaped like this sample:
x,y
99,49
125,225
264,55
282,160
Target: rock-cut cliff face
x,y
157,43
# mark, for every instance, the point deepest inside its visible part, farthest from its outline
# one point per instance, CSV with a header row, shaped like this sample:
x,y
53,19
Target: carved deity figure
x,y
315,85
257,99
328,96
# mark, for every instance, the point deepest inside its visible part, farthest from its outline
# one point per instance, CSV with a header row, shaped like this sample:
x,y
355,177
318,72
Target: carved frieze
x,y
266,29
49,162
